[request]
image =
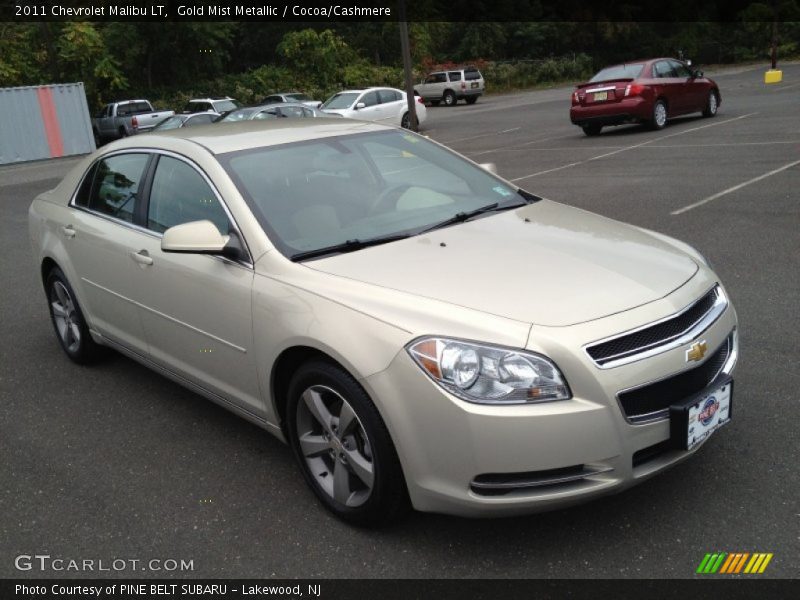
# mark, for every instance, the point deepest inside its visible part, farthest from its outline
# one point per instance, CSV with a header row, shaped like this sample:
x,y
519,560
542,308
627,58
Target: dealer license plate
x,y
695,421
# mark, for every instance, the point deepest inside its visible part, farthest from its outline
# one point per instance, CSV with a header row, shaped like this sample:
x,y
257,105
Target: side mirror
x,y
360,105
196,237
491,167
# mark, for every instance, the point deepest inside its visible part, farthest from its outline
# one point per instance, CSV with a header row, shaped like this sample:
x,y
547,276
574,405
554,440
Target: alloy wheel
x,y
661,114
65,317
335,446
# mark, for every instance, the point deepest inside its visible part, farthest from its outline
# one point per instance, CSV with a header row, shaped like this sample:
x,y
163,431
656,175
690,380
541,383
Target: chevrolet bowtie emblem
x,y
696,351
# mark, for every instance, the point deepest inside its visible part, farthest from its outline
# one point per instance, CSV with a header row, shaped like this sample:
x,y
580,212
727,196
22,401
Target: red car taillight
x,y
420,100
575,99
135,123
463,85
634,89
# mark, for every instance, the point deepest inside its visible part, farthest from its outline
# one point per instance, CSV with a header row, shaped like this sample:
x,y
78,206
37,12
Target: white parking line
x,y
483,135
734,188
626,148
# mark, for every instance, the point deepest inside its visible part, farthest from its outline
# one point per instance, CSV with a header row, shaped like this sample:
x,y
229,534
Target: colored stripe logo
x,y
732,563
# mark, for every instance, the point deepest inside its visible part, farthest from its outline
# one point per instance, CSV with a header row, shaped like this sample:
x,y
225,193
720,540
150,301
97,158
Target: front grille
x,y
657,397
660,334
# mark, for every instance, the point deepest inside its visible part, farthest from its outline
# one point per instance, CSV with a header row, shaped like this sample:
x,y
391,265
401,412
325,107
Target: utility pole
x,y
406,51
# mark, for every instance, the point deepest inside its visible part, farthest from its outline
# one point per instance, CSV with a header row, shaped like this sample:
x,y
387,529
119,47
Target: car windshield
x,y
239,115
169,123
331,191
341,100
299,97
631,71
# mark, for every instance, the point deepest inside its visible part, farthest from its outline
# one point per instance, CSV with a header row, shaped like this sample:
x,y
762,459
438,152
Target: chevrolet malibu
x,y
420,331
649,91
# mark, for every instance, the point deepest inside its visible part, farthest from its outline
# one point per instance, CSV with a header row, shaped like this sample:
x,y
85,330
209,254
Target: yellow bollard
x,y
773,76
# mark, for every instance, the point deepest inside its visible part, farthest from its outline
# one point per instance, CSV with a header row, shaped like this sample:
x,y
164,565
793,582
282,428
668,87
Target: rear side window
x,y
454,75
292,111
388,96
472,75
199,120
664,69
181,195
111,187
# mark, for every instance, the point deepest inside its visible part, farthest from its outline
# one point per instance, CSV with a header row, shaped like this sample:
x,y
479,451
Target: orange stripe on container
x,y
51,127
727,563
741,562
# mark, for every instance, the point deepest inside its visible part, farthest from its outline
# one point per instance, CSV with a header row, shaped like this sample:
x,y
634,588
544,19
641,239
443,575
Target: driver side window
x,y
180,195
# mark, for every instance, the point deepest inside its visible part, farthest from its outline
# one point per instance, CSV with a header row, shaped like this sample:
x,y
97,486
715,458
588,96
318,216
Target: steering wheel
x,y
388,196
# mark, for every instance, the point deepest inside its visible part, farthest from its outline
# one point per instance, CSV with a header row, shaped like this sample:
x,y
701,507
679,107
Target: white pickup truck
x,y
121,119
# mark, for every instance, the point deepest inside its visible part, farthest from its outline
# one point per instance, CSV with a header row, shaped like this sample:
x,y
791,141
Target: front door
x,y
196,308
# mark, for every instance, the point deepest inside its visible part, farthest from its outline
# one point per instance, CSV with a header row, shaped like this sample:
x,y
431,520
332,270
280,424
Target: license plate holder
x,y
474,84
693,421
600,96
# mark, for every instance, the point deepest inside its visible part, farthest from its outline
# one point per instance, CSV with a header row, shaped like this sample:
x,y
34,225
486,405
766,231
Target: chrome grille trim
x,y
663,345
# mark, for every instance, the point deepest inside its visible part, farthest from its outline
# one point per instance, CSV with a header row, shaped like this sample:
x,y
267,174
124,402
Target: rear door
x,y
101,239
392,106
195,308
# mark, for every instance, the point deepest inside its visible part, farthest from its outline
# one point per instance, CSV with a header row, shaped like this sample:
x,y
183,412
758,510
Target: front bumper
x,y
454,453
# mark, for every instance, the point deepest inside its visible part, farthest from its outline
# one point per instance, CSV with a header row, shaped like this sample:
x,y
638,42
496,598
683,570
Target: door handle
x,y
142,257
68,231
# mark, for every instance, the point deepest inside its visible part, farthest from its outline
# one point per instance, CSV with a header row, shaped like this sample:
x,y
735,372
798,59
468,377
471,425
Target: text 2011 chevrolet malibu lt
x,y
420,331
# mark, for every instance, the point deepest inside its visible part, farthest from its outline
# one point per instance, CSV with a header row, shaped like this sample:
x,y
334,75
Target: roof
x,y
221,138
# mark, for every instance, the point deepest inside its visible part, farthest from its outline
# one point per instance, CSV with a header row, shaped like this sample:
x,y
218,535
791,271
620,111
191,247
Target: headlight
x,y
489,374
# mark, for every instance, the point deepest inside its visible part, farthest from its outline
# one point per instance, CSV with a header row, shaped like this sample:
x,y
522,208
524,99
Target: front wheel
x,y
711,105
68,321
659,120
343,447
449,98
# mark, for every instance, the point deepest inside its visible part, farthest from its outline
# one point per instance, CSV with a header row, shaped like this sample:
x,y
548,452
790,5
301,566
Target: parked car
x,y
217,105
124,118
292,97
386,105
273,111
415,327
190,120
451,86
644,91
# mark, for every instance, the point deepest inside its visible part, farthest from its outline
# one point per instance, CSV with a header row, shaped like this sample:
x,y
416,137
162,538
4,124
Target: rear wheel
x,y
343,447
659,120
591,130
449,98
472,100
405,122
711,105
67,317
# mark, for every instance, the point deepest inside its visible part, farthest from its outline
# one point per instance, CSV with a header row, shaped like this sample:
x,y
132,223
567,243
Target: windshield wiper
x,y
348,246
466,216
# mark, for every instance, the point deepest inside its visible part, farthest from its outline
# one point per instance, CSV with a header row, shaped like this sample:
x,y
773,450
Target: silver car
x,y
420,331
451,86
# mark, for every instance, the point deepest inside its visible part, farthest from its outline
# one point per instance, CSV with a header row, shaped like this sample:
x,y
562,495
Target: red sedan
x,y
644,91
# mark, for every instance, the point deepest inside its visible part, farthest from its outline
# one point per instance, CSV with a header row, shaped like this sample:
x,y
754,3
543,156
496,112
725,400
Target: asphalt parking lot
x,y
118,462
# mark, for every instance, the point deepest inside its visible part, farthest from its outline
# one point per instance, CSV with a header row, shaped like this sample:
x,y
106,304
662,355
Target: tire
x,y
471,100
405,121
449,98
68,320
712,104
592,130
366,485
659,120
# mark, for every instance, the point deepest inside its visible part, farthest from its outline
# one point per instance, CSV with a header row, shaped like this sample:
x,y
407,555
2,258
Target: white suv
x,y
451,86
217,105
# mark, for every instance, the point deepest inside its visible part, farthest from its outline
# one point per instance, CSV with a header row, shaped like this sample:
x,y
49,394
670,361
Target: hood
x,y
561,267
